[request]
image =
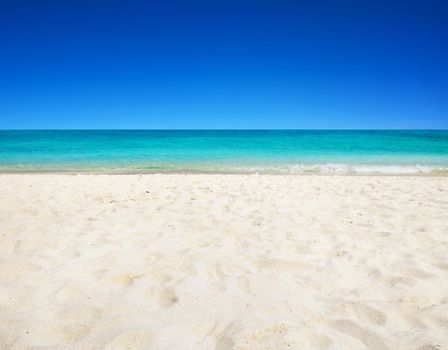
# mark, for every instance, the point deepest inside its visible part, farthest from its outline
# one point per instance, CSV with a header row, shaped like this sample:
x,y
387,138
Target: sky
x,y
214,64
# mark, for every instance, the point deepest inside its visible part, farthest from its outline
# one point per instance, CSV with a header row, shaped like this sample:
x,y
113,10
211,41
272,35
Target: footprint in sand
x,y
225,340
243,284
369,314
370,339
126,279
164,296
224,343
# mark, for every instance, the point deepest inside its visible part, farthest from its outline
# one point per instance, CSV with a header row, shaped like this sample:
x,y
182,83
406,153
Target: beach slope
x,y
223,262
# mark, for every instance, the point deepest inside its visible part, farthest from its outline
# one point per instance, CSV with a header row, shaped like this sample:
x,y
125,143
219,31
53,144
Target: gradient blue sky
x,y
223,64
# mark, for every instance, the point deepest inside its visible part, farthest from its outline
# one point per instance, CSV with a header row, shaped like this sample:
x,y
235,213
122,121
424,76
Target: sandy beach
x,y
223,262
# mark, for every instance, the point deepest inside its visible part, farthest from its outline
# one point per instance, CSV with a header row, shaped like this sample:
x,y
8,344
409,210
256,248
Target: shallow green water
x,y
295,151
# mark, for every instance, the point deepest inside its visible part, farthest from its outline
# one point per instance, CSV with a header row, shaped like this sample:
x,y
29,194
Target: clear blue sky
x,y
224,64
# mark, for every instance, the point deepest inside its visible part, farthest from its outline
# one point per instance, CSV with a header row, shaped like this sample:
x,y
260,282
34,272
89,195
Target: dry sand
x,y
223,262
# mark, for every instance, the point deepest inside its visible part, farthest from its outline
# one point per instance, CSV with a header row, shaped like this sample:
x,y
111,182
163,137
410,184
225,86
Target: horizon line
x,y
225,129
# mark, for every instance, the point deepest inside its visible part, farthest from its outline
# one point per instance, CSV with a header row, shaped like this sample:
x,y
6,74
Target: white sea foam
x,y
334,168
366,169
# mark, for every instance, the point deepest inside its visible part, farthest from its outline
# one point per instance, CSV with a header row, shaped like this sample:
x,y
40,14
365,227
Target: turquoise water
x,y
271,151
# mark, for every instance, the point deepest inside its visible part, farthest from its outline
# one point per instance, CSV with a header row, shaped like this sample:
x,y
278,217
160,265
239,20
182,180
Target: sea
x,y
226,151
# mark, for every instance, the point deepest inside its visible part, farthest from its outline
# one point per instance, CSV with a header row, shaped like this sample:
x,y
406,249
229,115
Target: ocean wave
x,y
311,169
342,169
368,169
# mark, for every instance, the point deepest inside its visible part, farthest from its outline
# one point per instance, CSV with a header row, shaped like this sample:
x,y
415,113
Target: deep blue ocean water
x,y
271,151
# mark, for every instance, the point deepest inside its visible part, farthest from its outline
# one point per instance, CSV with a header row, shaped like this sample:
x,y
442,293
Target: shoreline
x,y
232,173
